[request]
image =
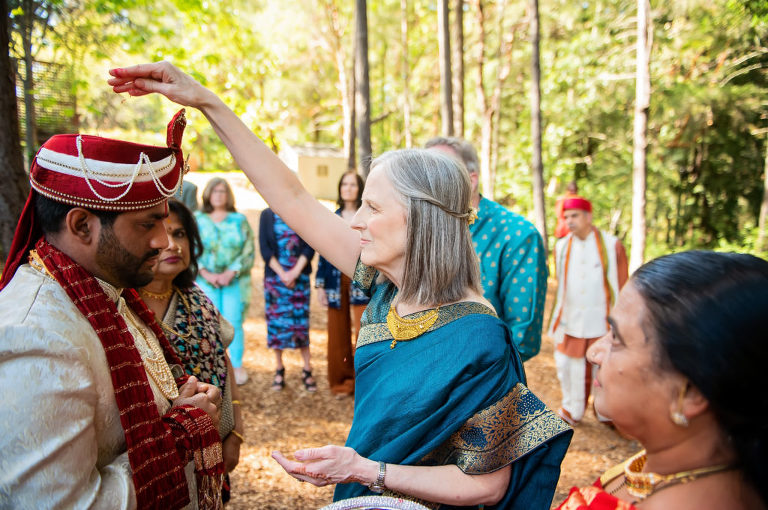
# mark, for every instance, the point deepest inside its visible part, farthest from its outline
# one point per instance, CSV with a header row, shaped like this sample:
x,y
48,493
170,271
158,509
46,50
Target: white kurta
x,y
584,303
581,305
61,441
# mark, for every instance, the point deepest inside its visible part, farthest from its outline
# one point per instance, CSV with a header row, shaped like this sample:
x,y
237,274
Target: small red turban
x,y
577,203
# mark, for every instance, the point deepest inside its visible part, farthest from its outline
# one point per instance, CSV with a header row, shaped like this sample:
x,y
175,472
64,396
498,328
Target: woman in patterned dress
x,y
226,261
345,302
286,294
193,325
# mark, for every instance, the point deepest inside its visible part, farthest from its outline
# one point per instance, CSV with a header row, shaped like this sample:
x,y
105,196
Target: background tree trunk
x,y
536,164
29,78
458,68
444,49
15,187
362,88
761,234
405,73
642,105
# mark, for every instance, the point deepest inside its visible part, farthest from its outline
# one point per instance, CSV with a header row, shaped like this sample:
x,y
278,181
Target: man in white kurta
x,y
62,442
591,268
52,359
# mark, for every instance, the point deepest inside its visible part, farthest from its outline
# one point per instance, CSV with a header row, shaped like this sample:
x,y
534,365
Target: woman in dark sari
x,y
442,413
194,327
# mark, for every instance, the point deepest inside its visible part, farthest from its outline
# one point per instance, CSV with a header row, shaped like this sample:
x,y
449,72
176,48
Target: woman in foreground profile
x,y
682,371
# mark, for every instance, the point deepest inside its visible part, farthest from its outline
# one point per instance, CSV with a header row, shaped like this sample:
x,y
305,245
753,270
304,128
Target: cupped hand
x,y
325,465
226,277
212,278
204,396
163,78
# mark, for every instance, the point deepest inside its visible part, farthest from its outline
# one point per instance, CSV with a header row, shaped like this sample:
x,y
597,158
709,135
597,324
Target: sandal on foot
x,y
309,381
278,383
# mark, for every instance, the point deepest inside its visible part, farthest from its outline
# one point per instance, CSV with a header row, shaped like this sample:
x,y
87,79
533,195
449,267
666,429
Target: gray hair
x,y
463,149
440,262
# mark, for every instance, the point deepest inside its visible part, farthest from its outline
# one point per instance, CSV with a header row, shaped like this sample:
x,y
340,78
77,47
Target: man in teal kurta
x,y
513,264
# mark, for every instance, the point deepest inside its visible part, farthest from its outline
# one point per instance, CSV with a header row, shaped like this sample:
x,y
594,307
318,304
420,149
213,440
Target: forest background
x,y
287,68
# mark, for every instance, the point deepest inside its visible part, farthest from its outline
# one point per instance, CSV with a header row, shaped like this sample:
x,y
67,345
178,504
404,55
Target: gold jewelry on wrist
x,y
238,435
236,403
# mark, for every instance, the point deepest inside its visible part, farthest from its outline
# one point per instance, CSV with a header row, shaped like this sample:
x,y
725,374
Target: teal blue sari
x,y
453,395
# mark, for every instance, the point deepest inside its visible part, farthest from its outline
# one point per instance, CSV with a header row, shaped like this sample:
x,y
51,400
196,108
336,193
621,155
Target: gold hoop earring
x,y
678,418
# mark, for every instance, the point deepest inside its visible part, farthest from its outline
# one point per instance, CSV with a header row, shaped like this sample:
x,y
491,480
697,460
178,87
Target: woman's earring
x,y
678,418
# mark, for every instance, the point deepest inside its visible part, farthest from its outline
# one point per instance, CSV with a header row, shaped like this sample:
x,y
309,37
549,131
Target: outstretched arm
x,y
328,233
439,484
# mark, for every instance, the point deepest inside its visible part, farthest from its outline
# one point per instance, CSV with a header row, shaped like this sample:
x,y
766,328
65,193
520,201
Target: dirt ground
x,y
294,418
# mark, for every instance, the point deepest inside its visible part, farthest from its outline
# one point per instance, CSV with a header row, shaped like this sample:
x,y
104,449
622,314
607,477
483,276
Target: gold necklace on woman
x,y
641,485
407,329
160,296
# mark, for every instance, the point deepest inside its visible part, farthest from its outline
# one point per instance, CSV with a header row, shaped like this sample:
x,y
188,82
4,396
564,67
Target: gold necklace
x,y
154,362
408,329
162,296
641,485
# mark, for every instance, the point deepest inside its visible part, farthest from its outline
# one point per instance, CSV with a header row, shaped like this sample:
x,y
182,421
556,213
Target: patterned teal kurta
x,y
228,245
514,271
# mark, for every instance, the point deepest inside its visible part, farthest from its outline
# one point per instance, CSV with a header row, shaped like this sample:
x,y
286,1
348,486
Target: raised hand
x,y
163,78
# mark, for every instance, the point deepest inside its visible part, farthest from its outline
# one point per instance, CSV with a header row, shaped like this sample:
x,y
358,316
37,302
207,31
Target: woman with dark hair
x,y
193,325
226,261
682,371
345,302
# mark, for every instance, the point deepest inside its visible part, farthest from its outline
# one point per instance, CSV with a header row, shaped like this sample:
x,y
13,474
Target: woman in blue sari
x,y
442,414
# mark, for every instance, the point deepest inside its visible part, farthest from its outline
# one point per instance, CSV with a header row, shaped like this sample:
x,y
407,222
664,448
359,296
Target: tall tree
x,y
761,223
405,73
490,102
642,105
458,68
444,50
345,79
15,183
30,20
536,165
362,88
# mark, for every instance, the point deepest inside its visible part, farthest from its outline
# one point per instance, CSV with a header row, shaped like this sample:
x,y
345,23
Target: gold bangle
x,y
236,403
238,435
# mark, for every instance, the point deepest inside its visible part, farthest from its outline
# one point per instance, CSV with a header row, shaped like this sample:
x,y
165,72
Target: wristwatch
x,y
378,486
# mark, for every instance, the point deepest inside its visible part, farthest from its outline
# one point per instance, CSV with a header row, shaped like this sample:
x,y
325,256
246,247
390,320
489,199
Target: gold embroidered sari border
x,y
379,332
499,434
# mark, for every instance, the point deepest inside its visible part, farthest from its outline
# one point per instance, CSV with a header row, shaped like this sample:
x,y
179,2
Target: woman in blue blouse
x,y
442,413
225,265
345,302
286,294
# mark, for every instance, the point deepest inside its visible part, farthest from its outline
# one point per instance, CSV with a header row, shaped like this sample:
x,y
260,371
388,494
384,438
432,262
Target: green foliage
x,y
279,65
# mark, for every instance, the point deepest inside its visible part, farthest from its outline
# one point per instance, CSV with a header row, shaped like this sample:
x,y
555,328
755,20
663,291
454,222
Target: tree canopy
x,y
283,67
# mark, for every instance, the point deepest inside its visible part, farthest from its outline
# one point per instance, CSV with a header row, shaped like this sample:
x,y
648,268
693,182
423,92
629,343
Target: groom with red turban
x,y
97,412
591,268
